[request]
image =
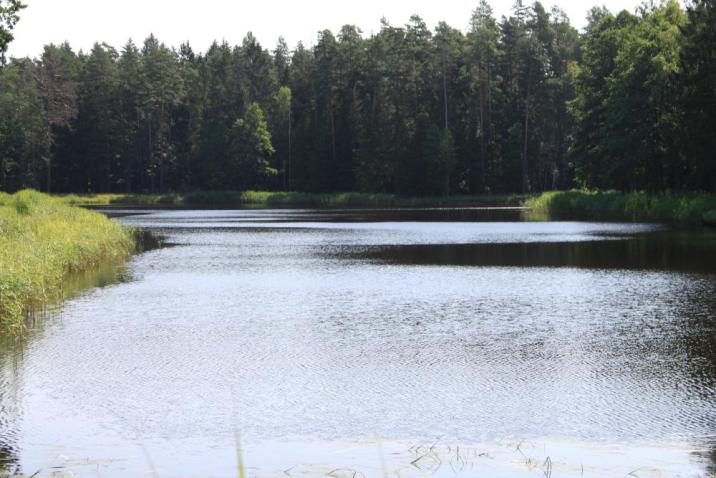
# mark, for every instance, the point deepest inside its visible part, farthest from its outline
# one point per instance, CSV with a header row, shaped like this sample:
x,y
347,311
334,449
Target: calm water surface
x,y
376,343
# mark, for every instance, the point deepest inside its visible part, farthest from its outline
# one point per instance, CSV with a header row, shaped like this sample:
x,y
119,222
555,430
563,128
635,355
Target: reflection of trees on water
x,y
10,390
710,458
700,345
664,251
8,459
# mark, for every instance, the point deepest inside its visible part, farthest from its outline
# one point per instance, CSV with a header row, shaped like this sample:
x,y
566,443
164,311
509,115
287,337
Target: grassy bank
x,y
259,199
691,208
42,239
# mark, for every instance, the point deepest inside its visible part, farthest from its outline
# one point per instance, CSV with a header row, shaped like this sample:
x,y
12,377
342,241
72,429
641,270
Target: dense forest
x,y
524,103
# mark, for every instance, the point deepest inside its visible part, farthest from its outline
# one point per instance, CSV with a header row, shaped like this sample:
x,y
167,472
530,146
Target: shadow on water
x,y
355,215
11,352
468,214
700,347
666,251
147,241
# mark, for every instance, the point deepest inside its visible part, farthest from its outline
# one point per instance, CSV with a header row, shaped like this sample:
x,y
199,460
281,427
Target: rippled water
x,y
309,334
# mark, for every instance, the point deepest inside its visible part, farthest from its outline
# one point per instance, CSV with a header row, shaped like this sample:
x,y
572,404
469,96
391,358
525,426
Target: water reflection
x,y
353,215
14,349
669,251
9,409
286,327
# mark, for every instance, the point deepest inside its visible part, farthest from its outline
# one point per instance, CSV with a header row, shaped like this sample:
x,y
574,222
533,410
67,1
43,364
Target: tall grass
x,y
286,199
42,239
692,208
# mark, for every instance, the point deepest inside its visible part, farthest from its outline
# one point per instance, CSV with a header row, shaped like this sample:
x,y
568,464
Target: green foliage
x,y
691,208
520,104
24,144
41,241
250,149
627,111
697,78
9,10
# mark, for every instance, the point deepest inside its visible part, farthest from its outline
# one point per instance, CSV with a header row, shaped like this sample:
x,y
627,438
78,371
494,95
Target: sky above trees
x,y
83,22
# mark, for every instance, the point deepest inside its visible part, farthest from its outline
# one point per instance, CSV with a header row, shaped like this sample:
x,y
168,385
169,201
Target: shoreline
x,y
42,241
689,208
266,199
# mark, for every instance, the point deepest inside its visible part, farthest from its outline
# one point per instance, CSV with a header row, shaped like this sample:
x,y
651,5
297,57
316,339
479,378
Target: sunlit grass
x,y
693,208
42,239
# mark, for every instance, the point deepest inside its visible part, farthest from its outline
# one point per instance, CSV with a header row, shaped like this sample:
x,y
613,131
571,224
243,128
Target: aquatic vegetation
x,y
42,239
692,208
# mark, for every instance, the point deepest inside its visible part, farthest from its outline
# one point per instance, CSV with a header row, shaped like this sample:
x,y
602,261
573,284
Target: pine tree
x,y
9,16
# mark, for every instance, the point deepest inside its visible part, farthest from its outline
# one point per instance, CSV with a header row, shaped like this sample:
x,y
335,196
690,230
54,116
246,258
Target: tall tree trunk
x,y
525,161
3,174
162,166
483,149
334,166
149,155
447,130
445,95
49,173
287,168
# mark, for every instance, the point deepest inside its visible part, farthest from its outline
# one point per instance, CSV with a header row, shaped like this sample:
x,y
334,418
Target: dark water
x,y
311,333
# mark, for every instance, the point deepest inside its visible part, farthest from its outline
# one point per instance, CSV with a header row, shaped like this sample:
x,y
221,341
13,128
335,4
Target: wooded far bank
x,y
521,104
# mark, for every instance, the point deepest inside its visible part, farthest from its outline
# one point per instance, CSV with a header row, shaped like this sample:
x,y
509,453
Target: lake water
x,y
375,343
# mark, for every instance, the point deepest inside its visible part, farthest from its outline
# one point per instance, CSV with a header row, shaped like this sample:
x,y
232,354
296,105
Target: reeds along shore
x,y
42,239
686,208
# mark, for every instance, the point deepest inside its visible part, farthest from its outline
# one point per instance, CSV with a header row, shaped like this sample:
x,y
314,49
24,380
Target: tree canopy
x,y
9,16
523,103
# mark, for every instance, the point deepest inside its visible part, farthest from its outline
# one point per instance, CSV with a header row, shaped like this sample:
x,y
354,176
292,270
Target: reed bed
x,y
42,240
688,208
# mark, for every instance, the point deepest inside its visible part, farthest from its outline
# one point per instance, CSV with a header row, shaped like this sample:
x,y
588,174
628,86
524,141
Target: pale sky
x,y
82,22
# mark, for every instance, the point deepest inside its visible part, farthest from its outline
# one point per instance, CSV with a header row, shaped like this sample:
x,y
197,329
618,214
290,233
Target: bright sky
x,y
82,22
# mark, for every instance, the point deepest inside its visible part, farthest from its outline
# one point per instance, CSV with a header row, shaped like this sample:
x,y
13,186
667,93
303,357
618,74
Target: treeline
x,y
520,104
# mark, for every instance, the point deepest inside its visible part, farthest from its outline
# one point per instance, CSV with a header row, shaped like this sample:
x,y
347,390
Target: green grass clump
x,y
42,239
692,208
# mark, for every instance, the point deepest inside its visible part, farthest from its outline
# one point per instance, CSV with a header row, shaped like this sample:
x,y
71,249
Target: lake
x,y
359,343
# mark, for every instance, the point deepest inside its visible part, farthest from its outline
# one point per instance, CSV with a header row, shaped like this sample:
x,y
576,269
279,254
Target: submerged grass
x,y
42,239
286,199
691,208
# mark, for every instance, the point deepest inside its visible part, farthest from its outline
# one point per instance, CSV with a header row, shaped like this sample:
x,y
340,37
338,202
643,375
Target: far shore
x,y
695,209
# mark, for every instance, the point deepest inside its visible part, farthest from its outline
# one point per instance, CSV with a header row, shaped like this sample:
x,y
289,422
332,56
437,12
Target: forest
x,y
524,103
